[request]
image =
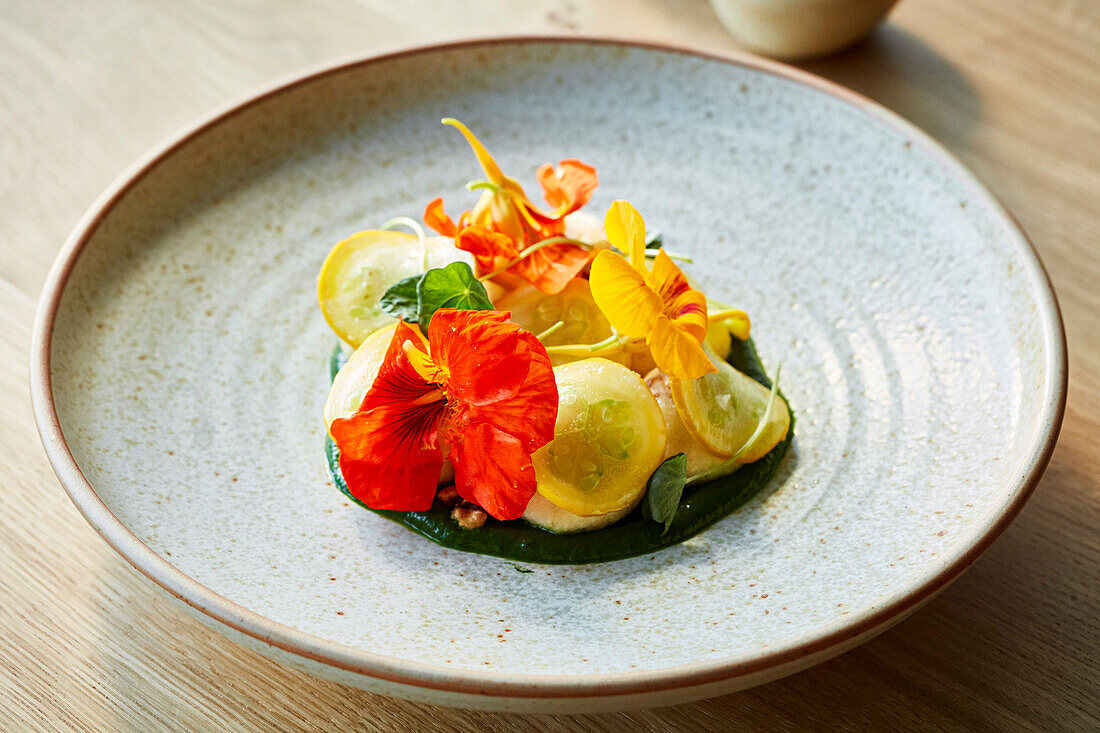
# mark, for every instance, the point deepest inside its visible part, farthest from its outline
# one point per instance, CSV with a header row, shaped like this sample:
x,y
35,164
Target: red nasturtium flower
x,y
504,221
479,391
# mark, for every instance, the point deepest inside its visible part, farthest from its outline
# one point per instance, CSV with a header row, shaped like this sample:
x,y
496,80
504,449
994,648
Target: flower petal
x,y
677,353
499,374
621,293
551,268
389,449
686,306
492,469
492,170
528,414
479,349
395,476
490,249
506,209
735,319
437,219
567,187
626,232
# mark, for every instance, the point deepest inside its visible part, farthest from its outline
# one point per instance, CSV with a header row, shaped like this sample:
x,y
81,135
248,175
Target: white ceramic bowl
x,y
800,29
179,369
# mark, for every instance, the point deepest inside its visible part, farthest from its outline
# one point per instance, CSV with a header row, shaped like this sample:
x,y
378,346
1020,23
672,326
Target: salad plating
x,y
530,375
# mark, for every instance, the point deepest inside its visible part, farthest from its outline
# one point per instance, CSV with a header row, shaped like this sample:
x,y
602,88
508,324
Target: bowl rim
x,y
836,636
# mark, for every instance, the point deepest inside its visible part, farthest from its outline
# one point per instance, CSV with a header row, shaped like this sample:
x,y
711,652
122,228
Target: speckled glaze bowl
x,y
179,369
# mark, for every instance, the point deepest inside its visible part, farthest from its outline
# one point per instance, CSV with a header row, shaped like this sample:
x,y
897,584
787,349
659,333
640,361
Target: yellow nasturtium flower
x,y
658,305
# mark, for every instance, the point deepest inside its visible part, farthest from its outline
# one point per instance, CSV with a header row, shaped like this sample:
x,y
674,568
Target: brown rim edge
x,y
474,683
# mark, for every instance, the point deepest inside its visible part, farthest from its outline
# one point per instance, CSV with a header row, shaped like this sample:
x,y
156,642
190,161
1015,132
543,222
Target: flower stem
x,y
482,183
405,221
550,330
611,345
651,253
606,343
530,251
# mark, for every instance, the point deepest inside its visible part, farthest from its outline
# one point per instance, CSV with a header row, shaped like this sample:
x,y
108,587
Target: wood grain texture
x,y
1010,86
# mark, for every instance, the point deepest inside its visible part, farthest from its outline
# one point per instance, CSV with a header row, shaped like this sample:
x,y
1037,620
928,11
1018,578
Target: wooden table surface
x,y
1012,87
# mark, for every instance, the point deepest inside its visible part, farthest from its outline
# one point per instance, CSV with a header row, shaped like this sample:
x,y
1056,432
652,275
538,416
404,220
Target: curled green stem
x,y
651,253
482,183
530,251
399,221
552,329
610,346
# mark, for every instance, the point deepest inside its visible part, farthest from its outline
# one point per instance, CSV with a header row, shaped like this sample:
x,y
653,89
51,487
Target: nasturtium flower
x,y
478,391
658,305
505,222
548,268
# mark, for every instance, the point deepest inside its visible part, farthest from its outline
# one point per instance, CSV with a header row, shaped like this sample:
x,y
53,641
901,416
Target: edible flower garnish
x,y
659,305
478,391
547,265
510,236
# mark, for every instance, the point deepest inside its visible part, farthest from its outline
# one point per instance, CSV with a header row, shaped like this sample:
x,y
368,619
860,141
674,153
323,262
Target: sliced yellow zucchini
x,y
721,410
361,268
609,437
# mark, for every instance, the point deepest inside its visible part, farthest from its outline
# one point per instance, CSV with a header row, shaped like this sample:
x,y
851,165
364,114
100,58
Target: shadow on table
x,y
910,77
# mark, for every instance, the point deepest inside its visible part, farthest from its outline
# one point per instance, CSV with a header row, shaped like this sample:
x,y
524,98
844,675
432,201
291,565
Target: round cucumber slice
x,y
722,409
361,268
609,438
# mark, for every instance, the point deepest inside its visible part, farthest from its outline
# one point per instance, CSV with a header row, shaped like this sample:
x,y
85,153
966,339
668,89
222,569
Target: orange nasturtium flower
x,y
658,305
479,391
504,221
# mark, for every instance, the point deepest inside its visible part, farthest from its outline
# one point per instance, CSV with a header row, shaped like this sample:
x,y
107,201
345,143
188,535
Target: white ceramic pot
x,y
800,29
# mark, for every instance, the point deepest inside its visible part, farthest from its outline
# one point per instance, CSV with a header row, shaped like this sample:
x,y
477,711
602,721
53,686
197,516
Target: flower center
x,y
423,365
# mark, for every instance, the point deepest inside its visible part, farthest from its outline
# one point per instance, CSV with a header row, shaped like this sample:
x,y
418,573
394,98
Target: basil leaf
x,y
453,286
664,489
654,239
400,300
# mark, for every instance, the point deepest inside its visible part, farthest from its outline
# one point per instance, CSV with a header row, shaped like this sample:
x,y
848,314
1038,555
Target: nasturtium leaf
x,y
400,301
453,286
664,489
